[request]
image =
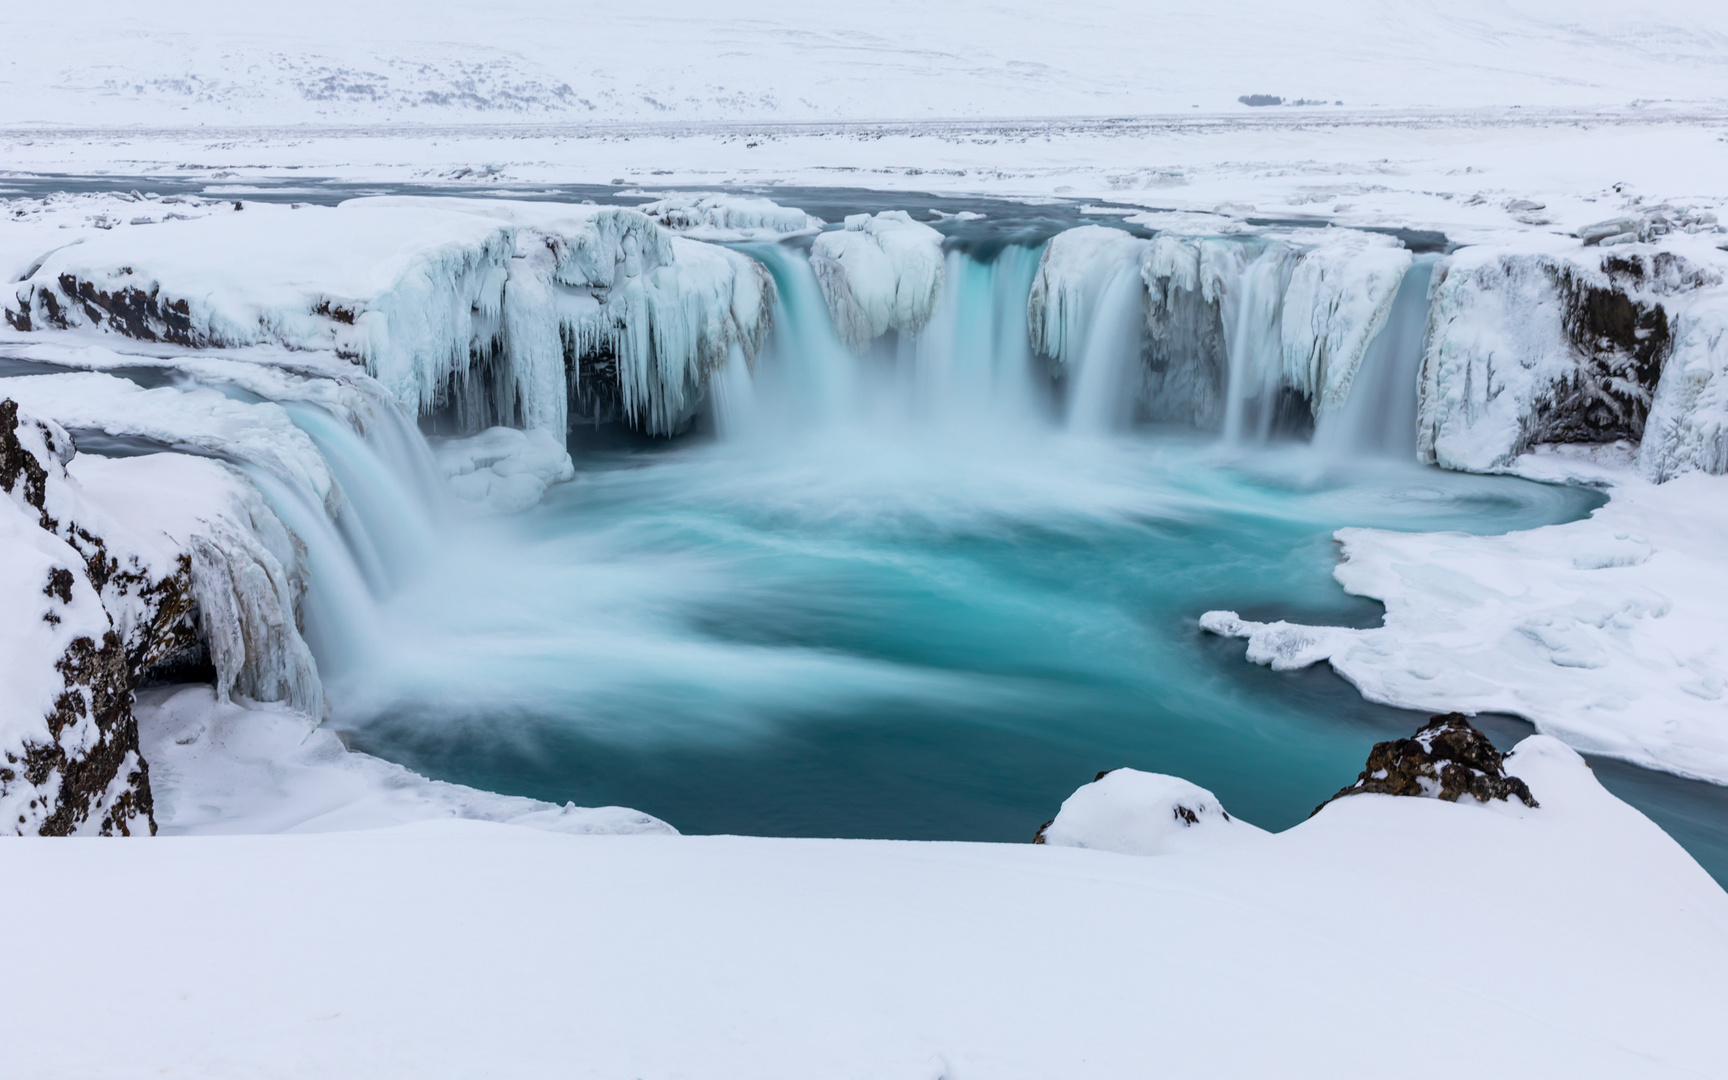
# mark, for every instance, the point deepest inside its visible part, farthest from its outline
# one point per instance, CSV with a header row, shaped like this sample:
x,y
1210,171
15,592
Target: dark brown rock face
x,y
89,771
1445,759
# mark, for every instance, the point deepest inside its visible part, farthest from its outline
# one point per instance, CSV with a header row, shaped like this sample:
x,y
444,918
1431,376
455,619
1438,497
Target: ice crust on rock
x,y
1142,813
1075,269
729,218
1552,343
477,306
248,571
880,272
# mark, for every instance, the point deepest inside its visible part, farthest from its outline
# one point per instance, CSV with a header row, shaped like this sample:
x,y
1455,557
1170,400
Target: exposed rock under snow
x,y
1141,813
881,272
1446,759
85,608
504,470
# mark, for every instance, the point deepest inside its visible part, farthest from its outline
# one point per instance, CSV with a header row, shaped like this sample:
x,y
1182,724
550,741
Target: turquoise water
x,y
908,636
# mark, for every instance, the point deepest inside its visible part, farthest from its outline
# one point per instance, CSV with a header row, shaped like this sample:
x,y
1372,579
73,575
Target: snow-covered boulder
x,y
716,216
1142,813
1556,344
881,272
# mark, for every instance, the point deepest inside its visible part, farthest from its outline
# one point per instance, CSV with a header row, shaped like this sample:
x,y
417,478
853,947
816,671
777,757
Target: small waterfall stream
x,y
1379,416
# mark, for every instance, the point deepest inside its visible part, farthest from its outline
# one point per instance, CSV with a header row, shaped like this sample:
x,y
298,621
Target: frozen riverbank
x,y
1595,949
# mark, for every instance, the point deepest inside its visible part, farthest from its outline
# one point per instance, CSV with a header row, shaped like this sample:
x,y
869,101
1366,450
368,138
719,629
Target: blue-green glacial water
x,y
923,593
910,637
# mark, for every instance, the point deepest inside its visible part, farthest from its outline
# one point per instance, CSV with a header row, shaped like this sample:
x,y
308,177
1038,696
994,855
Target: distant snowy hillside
x,y
203,61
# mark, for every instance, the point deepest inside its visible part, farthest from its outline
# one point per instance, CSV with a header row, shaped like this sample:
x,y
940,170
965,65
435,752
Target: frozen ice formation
x,y
1073,273
722,217
1558,344
199,420
476,306
1602,632
881,272
504,470
1142,813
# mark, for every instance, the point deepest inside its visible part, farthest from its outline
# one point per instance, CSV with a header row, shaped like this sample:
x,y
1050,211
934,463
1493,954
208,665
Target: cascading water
x,y
807,378
1379,416
1253,310
973,363
383,533
1102,398
893,598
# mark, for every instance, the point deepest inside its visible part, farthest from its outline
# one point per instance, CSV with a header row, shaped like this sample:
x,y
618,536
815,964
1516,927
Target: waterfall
x,y
383,534
806,372
1102,399
973,362
1379,416
1253,311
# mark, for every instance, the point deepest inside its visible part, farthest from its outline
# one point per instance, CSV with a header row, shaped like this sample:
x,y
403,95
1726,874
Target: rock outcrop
x,y
1446,759
69,760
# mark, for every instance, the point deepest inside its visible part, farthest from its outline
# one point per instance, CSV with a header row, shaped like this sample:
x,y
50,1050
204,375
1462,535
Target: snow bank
x,y
1603,632
502,469
881,272
763,958
475,306
1141,813
729,218
197,420
218,767
1552,342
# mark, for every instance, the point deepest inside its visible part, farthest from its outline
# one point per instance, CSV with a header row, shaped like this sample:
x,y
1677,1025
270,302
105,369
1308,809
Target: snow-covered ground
x,y
1574,940
208,62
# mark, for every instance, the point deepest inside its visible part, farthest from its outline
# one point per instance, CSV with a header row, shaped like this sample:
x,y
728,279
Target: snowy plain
x,y
1571,940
